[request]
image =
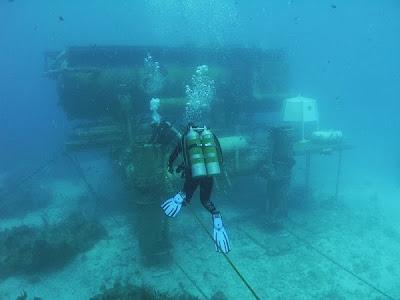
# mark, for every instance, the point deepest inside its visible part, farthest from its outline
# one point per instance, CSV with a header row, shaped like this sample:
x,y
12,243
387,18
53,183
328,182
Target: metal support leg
x,y
338,175
307,176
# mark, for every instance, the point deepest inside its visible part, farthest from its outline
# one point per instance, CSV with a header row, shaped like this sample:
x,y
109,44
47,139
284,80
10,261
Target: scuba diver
x,y
163,133
202,158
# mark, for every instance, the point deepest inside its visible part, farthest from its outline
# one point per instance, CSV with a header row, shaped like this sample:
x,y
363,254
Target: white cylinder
x,y
328,136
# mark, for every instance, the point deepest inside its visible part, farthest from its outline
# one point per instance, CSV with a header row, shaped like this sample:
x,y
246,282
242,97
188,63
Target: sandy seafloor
x,y
361,232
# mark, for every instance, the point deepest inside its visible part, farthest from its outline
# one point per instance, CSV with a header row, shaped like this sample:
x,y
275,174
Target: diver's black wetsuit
x,y
162,134
206,183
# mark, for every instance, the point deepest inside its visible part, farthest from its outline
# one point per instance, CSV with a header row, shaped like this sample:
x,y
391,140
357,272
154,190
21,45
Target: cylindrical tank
x,y
210,152
329,136
195,154
232,143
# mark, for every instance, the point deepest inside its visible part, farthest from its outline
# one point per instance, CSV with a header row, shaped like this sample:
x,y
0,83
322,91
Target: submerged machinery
x,y
107,90
94,82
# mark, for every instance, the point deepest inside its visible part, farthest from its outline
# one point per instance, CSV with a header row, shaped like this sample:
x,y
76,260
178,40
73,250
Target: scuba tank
x,y
195,154
210,152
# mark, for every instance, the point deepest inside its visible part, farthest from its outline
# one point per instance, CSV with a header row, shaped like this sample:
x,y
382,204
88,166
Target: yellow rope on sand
x,y
226,256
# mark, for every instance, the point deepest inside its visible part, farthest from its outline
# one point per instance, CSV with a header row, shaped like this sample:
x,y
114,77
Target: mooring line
x,y
30,176
339,265
92,191
190,279
226,256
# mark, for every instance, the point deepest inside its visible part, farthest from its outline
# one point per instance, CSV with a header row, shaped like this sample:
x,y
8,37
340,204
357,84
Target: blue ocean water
x,y
344,54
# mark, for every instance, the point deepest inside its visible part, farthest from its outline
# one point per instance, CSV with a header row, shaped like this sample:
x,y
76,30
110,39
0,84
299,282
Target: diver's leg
x,y
206,185
220,236
189,187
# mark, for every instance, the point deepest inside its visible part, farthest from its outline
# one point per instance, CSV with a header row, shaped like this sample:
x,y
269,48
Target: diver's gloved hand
x,y
220,236
170,170
173,205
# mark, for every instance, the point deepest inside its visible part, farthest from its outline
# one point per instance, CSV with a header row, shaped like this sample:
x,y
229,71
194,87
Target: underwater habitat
x,y
199,149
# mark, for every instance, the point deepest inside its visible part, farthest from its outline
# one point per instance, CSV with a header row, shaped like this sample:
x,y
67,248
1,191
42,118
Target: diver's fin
x,y
173,205
220,236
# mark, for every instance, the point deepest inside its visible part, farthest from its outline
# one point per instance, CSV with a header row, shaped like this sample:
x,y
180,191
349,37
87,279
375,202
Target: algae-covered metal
x,y
90,79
